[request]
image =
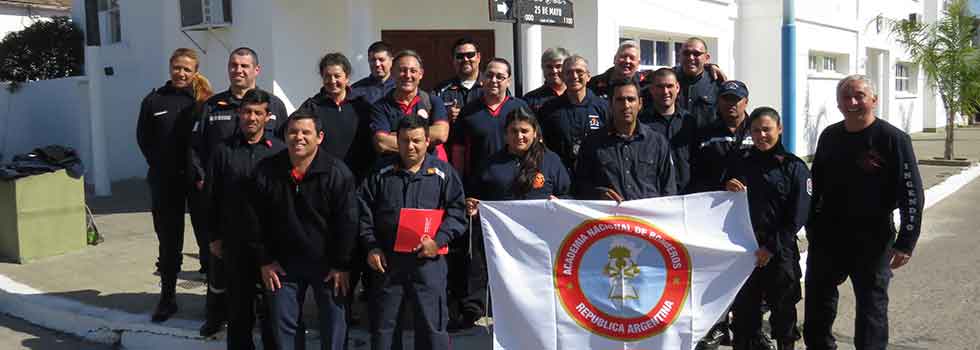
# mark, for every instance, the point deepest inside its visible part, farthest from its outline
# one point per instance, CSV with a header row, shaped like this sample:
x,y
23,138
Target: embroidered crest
x,y
538,182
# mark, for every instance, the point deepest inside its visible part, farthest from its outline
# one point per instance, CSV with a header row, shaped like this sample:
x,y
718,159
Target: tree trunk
x,y
950,127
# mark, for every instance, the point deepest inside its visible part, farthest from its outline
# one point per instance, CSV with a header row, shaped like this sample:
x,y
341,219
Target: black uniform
x,y
161,132
232,221
382,196
346,129
636,167
454,93
373,89
699,96
218,122
601,84
566,124
308,225
779,203
386,113
717,149
538,97
859,178
680,129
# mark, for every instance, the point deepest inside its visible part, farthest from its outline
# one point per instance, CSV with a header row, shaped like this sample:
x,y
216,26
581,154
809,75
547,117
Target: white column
x,y
362,34
531,38
100,172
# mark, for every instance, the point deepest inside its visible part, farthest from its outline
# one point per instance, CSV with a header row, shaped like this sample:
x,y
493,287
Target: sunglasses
x,y
461,55
692,53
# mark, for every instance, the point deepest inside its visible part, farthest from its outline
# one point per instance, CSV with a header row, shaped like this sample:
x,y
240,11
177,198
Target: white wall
x,y
29,119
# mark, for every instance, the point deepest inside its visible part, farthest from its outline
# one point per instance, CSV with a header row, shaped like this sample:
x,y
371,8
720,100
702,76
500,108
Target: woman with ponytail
x,y
524,169
778,185
162,132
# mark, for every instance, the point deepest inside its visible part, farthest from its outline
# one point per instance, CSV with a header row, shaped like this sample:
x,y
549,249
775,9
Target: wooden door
x,y
435,47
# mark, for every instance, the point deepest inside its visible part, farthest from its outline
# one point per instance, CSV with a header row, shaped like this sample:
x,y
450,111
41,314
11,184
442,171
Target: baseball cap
x,y
734,87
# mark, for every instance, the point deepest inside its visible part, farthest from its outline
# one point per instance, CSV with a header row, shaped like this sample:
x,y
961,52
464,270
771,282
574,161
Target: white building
x,y
16,15
834,38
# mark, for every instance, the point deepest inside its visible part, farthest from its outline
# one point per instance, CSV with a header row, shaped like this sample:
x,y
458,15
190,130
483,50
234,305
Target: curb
x,y
97,324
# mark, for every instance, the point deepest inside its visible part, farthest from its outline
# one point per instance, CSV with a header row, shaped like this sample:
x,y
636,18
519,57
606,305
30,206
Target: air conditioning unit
x,y
204,14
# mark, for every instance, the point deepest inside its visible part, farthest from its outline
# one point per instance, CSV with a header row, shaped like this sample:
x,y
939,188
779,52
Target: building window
x,y
814,66
110,21
904,78
646,52
657,51
830,64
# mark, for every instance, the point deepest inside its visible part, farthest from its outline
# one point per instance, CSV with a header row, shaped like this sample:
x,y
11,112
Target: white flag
x,y
646,274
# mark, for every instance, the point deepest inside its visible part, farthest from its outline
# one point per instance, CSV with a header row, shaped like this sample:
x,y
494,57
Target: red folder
x,y
413,224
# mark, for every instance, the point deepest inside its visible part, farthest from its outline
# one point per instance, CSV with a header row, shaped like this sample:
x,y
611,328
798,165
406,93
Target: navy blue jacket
x,y
384,193
717,149
538,97
219,121
861,178
680,129
779,199
699,96
453,92
231,172
309,224
163,129
372,89
496,183
346,129
636,167
386,113
481,132
566,124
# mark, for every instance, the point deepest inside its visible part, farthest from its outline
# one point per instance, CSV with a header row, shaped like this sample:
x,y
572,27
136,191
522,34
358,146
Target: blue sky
x,y
975,6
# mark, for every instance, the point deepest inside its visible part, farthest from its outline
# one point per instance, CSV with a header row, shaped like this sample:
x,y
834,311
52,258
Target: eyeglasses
x,y
461,55
692,53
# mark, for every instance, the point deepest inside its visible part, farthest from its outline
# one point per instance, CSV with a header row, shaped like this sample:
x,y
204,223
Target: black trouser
x,y
408,279
168,198
243,274
858,253
778,283
468,272
197,203
216,304
286,308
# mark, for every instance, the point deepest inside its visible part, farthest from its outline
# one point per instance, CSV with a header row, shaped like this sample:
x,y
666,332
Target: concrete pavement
x,y
105,293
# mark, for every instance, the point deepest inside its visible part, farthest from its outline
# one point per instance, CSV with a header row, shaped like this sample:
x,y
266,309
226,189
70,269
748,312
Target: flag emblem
x,y
622,278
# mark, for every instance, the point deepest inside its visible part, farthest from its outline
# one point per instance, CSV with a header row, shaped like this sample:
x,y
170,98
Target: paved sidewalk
x,y
113,282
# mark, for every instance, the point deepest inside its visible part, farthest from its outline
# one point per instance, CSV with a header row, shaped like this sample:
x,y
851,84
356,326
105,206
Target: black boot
x,y
215,315
166,307
715,337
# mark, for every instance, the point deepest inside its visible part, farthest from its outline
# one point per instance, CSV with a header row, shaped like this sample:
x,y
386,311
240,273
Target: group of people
x,y
316,200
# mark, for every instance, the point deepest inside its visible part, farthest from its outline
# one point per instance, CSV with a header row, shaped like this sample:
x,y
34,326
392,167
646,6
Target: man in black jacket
x,y
699,86
665,117
308,225
863,170
628,161
413,180
234,226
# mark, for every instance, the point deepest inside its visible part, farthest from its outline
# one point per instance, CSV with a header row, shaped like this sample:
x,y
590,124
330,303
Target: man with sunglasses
x,y
699,92
465,86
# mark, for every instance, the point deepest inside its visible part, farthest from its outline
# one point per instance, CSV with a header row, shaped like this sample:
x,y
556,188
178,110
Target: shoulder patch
x,y
436,171
809,186
423,114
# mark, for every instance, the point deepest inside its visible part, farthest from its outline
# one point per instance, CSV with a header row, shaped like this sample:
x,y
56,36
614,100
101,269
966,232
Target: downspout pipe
x,y
100,169
789,75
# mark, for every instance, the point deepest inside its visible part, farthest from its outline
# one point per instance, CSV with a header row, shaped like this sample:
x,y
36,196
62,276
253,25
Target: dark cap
x,y
734,87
